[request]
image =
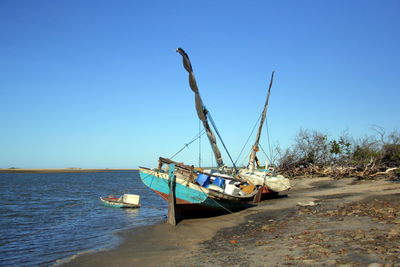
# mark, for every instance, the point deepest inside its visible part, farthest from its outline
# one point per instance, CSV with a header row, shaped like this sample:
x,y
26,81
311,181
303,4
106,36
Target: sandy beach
x,y
322,222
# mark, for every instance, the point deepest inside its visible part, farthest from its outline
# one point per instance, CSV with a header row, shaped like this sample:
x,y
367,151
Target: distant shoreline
x,y
66,170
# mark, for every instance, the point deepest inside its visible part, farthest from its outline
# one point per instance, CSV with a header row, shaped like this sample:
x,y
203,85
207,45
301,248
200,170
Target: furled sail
x,y
201,110
253,156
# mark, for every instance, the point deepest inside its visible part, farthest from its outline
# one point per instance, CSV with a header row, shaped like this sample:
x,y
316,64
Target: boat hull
x,y
111,202
188,195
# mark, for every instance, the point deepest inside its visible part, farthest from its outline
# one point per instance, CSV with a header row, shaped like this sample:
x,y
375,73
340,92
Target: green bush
x,y
363,154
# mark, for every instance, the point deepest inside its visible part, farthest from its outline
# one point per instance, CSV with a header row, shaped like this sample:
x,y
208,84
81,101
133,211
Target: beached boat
x,y
196,189
263,176
193,187
124,201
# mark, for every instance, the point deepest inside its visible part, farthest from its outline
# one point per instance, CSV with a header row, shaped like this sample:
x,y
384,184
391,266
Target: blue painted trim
x,y
188,194
112,205
181,191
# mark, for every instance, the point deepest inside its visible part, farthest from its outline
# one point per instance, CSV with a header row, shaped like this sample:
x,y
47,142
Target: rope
x,y
269,159
147,176
220,138
200,143
269,142
255,125
212,158
245,158
187,145
201,189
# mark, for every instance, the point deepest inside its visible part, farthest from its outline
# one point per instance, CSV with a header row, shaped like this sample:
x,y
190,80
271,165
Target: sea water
x,y
47,218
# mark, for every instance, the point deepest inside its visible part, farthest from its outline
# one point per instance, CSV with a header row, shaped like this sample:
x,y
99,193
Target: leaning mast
x,y
255,148
200,108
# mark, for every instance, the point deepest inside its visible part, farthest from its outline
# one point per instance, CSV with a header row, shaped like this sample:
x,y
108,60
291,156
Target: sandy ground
x,y
353,223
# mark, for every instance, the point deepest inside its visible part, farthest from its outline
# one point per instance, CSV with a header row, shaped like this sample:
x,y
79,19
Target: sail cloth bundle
x,y
276,183
201,110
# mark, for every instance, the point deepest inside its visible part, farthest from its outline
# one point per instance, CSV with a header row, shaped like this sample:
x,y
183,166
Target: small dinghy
x,y
124,201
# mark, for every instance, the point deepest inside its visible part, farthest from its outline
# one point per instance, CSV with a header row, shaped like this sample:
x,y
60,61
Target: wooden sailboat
x,y
195,189
191,187
263,176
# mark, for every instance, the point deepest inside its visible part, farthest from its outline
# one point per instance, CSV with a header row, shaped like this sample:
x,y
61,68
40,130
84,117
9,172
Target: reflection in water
x,y
131,213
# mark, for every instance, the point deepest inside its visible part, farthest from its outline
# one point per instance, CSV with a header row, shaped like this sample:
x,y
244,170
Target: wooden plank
x,y
257,197
190,169
172,198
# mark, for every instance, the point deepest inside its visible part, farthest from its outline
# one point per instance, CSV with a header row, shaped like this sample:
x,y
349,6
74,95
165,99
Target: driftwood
x,y
385,172
370,170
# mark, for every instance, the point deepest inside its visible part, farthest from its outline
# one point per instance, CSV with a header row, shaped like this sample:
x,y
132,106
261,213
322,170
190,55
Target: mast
x,y
254,149
201,110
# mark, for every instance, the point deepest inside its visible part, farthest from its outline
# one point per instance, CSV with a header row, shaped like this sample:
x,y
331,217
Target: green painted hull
x,y
117,204
187,195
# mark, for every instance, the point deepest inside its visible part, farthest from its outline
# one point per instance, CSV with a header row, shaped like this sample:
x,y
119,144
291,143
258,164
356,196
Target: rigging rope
x,y
199,144
269,159
187,145
269,142
243,163
201,189
255,125
220,138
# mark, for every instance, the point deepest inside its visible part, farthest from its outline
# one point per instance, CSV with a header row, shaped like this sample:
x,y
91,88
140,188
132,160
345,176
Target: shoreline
x,y
62,170
250,236
154,244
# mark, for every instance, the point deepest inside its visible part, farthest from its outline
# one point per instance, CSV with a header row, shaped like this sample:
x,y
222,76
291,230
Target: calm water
x,y
53,216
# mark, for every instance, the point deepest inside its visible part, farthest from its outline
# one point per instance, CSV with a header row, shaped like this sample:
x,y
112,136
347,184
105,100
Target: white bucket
x,y
131,199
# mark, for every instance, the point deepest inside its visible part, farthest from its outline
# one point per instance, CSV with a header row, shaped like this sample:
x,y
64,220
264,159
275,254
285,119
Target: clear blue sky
x,y
96,84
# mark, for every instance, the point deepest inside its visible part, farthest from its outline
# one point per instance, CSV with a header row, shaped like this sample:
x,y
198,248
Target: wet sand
x,y
352,222
66,170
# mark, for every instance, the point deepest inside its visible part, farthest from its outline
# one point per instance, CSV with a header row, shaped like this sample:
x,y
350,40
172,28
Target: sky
x,y
98,84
